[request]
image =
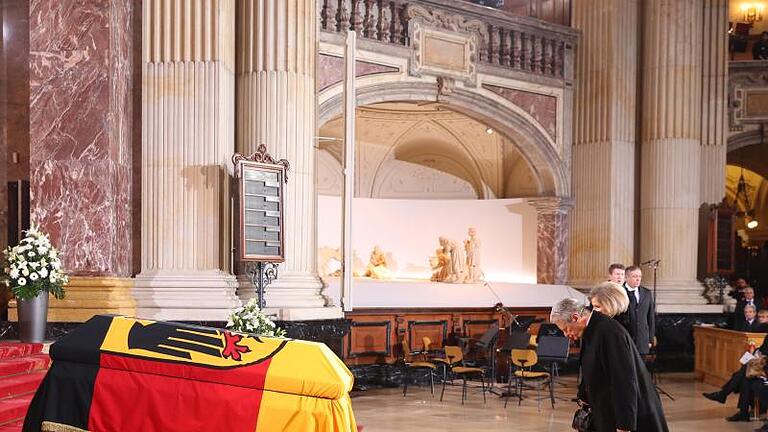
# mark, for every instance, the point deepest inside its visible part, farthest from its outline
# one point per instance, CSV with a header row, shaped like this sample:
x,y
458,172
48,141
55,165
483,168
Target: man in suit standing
x,y
616,274
640,319
748,300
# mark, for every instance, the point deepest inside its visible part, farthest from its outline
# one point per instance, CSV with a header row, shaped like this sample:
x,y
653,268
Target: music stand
x,y
522,323
515,340
487,342
654,264
553,349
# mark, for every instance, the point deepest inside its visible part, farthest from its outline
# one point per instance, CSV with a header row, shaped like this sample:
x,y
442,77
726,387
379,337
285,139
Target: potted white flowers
x,y
32,269
250,319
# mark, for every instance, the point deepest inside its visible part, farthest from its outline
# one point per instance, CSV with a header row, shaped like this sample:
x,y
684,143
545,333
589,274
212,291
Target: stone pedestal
x,y
552,239
671,146
80,125
187,144
604,174
276,106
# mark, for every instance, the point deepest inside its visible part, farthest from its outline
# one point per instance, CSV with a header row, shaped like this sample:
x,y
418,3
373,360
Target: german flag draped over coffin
x,y
123,374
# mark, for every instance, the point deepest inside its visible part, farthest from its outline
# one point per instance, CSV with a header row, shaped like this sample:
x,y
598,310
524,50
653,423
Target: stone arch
x,y
534,145
746,139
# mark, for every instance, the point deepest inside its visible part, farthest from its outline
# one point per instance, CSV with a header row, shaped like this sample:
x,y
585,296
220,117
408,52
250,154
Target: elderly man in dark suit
x,y
640,316
614,380
750,323
748,299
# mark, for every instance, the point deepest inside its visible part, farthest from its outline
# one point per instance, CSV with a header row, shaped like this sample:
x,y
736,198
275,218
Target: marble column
x,y
276,105
552,239
187,143
671,141
3,149
604,175
714,99
80,124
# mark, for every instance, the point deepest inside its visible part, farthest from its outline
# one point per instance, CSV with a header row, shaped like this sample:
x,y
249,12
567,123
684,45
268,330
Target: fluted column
x,y
552,237
604,177
714,99
671,141
276,105
187,143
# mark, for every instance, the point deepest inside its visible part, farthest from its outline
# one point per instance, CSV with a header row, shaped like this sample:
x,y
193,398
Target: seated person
x,y
754,385
748,300
740,382
750,322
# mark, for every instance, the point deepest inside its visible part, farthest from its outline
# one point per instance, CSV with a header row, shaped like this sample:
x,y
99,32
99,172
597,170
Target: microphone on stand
x,y
652,261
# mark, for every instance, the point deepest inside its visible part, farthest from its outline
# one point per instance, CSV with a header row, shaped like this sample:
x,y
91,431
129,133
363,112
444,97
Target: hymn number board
x,y
261,207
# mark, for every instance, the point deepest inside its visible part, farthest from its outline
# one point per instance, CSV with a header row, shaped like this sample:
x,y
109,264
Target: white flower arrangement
x,y
250,319
33,266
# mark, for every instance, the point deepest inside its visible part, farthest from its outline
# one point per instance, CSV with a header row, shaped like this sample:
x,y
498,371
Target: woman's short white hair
x,y
612,297
563,310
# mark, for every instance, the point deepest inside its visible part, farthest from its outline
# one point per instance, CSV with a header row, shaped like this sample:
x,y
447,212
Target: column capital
x,y
551,205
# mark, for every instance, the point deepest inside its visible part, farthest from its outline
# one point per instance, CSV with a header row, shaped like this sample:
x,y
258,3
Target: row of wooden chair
x,y
453,363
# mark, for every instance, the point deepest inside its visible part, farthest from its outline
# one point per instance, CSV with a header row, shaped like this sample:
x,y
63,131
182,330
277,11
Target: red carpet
x,y
22,367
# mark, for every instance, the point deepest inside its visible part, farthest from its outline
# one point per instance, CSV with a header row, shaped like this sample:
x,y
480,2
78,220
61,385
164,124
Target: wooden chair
x,y
423,365
525,360
454,360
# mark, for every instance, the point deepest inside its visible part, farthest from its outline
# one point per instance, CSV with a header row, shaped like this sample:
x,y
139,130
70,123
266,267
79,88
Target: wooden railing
x,y
504,40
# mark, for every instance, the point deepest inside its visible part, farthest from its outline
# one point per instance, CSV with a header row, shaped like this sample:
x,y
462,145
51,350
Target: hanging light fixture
x,y
749,212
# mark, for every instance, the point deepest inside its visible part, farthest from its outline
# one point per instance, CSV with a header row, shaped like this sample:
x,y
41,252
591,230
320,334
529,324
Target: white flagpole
x,y
348,191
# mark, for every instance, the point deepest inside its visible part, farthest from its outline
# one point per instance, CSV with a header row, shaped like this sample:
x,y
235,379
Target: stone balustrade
x,y
512,42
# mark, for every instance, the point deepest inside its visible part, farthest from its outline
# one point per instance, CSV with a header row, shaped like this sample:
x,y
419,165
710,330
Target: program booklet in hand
x,y
746,358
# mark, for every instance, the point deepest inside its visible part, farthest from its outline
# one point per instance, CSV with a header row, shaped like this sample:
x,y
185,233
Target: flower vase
x,y
33,315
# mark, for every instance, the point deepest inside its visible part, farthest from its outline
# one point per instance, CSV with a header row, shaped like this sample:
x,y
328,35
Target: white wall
x,y
407,230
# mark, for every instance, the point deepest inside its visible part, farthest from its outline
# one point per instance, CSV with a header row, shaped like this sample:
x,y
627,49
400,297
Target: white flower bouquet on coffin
x,y
33,266
250,319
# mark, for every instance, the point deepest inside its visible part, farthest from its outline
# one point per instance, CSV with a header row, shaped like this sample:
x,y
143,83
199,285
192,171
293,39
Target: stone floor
x,y
385,410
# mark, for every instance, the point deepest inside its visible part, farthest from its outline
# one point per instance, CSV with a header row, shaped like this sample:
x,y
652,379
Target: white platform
x,y
369,293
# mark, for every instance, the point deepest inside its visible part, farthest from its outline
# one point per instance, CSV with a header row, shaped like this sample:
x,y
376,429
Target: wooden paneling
x,y
370,339
375,334
436,331
718,352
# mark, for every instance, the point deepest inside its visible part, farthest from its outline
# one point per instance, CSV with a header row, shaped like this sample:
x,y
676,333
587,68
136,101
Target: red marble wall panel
x,y
81,131
542,108
330,70
3,146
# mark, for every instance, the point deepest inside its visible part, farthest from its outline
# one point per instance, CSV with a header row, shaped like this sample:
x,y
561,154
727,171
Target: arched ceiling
x,y
427,141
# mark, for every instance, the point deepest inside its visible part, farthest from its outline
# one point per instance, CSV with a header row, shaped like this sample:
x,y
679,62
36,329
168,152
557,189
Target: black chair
x,y
553,350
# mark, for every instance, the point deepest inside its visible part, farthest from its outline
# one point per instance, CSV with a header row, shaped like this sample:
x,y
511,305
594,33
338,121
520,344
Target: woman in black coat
x,y
615,382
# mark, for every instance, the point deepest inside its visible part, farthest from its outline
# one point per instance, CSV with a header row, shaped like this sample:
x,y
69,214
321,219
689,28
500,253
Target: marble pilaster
x,y
187,144
604,177
714,99
552,239
80,124
276,105
671,141
80,131
3,144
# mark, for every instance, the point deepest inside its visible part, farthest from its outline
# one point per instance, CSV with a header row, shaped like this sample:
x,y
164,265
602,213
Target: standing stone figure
x,y
472,247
